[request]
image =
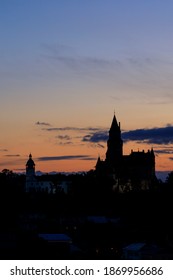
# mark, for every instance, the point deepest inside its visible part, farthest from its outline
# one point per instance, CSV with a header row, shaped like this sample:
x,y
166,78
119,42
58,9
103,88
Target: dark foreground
x,y
86,226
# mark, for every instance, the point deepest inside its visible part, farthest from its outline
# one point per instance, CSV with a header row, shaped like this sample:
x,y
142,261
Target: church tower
x,y
134,171
114,152
30,174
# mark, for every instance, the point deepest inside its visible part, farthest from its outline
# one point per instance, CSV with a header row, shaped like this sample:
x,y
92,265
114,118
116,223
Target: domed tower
x,y
30,174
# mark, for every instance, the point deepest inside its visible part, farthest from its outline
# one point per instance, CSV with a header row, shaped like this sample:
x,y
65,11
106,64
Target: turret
x,y
30,173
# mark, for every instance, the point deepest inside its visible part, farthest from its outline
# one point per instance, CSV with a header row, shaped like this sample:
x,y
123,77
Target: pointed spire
x,y
114,122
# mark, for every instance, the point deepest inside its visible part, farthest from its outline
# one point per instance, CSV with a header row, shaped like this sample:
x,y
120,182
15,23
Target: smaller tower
x,y
30,174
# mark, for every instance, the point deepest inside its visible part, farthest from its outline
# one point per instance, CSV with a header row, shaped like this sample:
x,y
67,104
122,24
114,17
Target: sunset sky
x,y
67,65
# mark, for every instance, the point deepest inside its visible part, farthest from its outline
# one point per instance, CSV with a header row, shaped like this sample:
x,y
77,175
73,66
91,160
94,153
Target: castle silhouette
x,y
127,171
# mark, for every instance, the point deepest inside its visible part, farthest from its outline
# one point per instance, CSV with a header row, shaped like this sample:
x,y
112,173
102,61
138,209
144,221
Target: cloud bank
x,y
97,135
157,135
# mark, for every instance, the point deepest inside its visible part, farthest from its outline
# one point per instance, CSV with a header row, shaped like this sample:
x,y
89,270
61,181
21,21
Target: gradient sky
x,y
67,65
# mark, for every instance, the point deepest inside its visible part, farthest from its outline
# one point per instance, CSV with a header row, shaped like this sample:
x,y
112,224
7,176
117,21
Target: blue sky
x,y
71,63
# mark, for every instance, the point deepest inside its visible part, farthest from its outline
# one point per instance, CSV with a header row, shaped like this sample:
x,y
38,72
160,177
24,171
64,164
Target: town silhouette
x,y
119,210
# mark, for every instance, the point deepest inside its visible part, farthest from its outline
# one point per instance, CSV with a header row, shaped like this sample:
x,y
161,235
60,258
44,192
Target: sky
x,y
68,65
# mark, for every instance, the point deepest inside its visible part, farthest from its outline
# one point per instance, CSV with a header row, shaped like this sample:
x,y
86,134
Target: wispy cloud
x,y
71,128
163,99
20,169
94,135
63,137
12,160
100,146
164,151
137,69
66,157
43,123
83,63
96,145
67,56
65,143
64,140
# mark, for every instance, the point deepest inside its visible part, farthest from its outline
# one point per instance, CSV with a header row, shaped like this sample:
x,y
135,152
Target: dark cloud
x,y
87,138
100,136
68,157
64,137
90,158
158,135
17,155
94,134
3,150
43,123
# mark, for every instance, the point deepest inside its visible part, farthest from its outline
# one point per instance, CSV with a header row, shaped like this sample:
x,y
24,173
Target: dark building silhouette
x,y
30,174
136,170
33,182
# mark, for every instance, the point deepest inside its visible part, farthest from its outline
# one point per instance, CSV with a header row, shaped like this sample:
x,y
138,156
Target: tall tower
x,y
114,152
30,174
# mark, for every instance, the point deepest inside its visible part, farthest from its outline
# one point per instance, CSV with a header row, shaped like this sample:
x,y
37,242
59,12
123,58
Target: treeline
x,y
86,194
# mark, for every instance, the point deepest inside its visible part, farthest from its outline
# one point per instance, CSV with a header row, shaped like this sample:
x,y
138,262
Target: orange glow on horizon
x,y
17,162
42,143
